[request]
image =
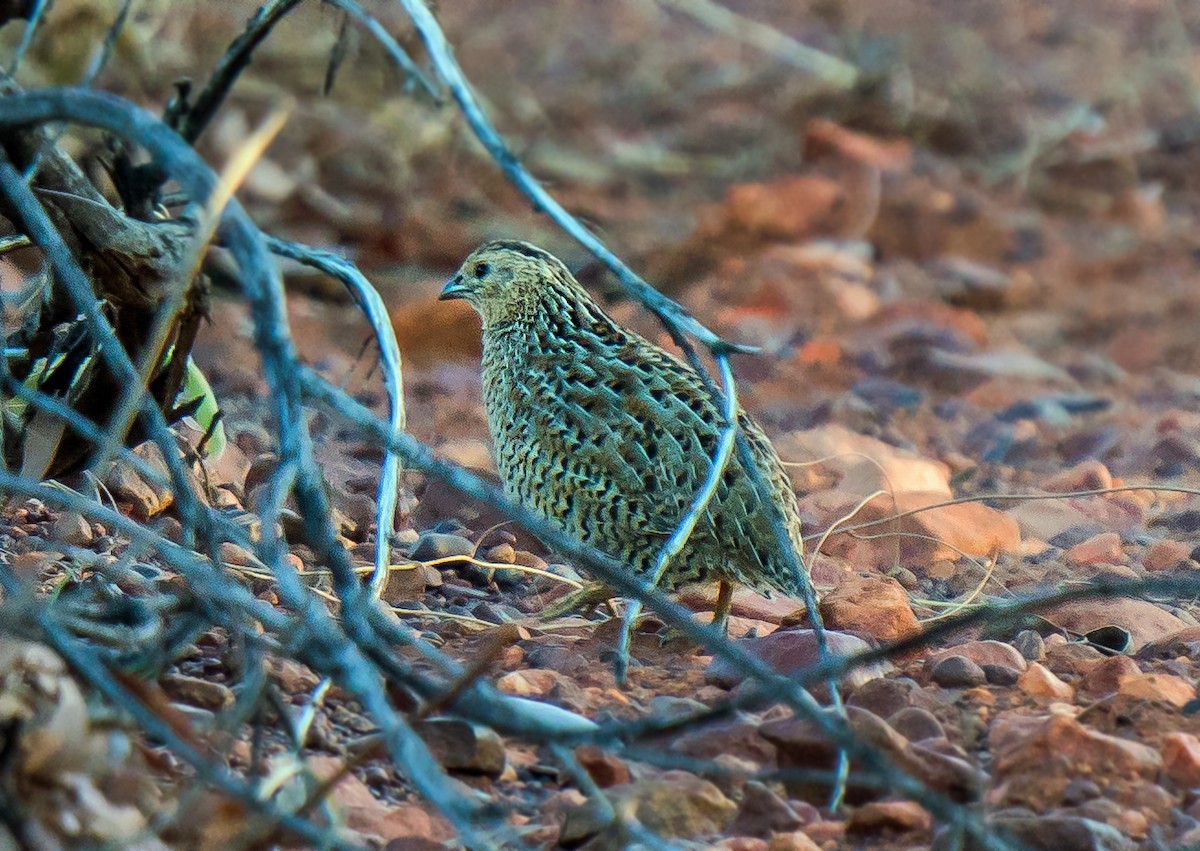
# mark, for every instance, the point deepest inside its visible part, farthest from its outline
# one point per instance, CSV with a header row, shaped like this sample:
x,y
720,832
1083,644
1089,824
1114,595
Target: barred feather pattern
x,y
610,436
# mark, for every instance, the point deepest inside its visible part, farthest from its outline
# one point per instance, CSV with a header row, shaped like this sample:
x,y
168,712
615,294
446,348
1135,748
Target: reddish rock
x,y
1085,476
802,744
981,653
886,697
872,606
1104,548
1071,658
928,535
1104,677
605,768
366,813
1164,688
1184,642
888,816
1144,621
792,650
1040,683
1034,758
1181,759
1166,555
860,464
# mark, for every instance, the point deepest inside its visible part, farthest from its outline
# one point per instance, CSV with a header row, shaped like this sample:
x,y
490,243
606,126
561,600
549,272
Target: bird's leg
x,y
724,602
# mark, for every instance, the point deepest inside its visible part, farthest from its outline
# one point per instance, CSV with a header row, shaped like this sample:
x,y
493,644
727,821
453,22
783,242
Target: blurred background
x,y
997,204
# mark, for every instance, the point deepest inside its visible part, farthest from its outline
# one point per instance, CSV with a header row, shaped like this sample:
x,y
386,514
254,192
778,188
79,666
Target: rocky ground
x,y
982,319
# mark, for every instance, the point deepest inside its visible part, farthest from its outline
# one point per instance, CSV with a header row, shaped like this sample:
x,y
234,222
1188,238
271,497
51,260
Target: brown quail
x,y
608,435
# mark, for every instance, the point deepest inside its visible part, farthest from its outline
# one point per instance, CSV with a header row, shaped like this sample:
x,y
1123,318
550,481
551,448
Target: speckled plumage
x,y
605,433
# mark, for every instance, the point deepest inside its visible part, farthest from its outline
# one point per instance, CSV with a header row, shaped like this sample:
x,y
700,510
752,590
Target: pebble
x,y
958,672
462,746
1039,682
1001,675
1030,645
916,724
438,545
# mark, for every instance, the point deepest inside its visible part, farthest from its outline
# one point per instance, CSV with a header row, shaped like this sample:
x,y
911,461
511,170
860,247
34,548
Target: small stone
x,y
502,554
675,805
432,546
888,816
405,582
1061,833
530,682
795,841
871,606
999,675
1030,645
916,724
556,657
605,768
981,653
461,746
790,651
1164,688
1144,621
1181,759
1039,682
1166,555
1079,790
763,813
1104,548
886,697
1104,676
1074,534
1072,657
1085,476
195,691
72,528
958,672
146,499
801,743
1035,757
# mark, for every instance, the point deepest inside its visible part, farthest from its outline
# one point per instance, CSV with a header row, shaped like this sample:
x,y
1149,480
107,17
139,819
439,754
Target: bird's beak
x,y
455,288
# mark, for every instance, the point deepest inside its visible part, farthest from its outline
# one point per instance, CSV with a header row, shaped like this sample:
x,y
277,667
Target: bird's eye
x,y
481,270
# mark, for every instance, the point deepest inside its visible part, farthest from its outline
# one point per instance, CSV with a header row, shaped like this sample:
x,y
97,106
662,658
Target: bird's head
x,y
509,281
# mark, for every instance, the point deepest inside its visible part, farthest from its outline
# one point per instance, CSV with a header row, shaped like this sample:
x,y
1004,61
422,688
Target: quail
x,y
611,437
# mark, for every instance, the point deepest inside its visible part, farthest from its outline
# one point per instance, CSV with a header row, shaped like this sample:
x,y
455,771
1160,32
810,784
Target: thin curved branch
x,y
371,304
